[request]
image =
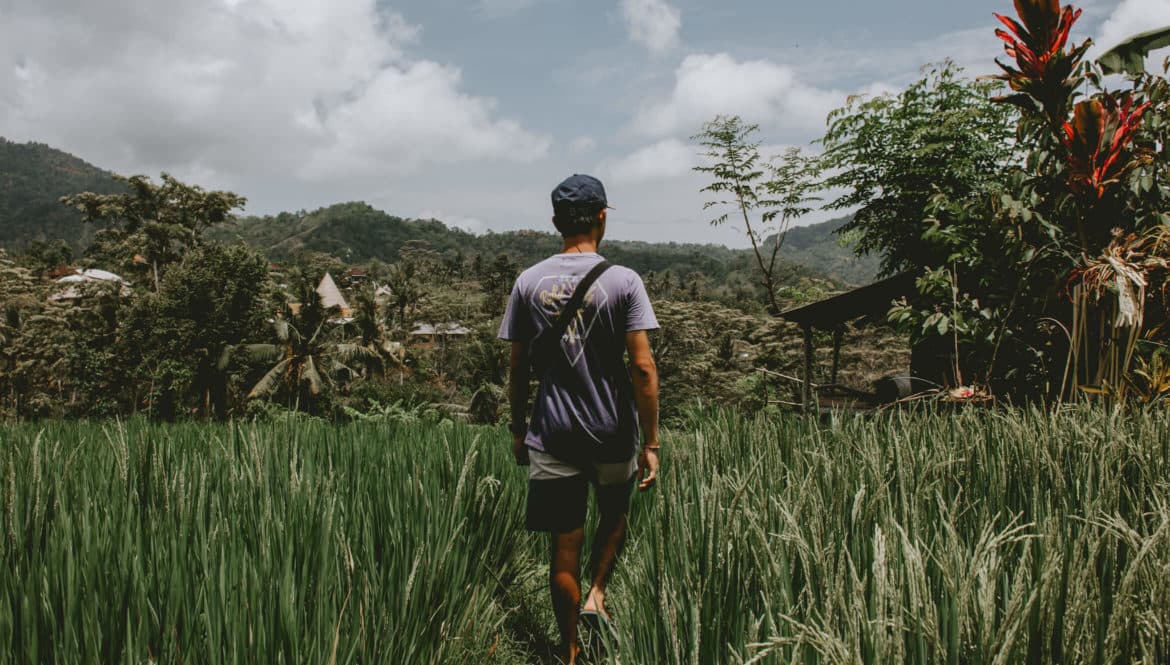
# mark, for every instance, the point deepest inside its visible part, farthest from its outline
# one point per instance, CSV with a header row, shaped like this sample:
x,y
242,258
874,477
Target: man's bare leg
x,y
607,544
564,580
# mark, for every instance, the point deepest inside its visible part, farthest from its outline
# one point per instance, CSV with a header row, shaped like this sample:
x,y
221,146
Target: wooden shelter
x,y
833,313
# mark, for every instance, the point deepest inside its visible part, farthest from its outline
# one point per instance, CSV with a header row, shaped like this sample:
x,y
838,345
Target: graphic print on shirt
x,y
553,293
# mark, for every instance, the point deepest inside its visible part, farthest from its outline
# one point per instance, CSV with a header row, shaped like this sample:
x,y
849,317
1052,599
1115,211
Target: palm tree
x,y
300,350
370,349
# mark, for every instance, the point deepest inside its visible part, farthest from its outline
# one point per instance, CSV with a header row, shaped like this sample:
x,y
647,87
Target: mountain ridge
x,y
34,176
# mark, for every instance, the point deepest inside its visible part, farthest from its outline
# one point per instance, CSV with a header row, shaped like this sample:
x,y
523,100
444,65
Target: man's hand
x,y
519,450
647,468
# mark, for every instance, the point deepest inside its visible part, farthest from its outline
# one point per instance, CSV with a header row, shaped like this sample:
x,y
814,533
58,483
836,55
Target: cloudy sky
x,y
469,111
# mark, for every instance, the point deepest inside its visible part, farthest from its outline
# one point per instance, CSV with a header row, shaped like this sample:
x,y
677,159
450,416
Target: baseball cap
x,y
580,191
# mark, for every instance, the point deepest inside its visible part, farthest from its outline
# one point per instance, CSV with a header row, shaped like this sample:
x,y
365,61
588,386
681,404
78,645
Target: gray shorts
x,y
543,466
558,492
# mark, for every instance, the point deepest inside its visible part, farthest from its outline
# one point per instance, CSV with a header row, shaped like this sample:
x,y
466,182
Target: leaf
x,y
1130,55
269,383
225,358
311,376
1088,125
259,353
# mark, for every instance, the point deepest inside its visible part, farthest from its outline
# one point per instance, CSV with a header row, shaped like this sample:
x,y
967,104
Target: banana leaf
x,y
271,380
1130,55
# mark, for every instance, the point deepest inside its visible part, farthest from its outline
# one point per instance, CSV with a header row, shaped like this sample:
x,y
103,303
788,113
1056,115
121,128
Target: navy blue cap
x,y
580,191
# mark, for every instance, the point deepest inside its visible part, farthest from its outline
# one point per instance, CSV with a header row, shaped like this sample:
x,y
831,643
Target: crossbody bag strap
x,y
569,312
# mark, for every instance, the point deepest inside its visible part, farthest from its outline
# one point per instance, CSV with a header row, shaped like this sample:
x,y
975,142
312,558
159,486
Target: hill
x,y
820,247
33,178
357,233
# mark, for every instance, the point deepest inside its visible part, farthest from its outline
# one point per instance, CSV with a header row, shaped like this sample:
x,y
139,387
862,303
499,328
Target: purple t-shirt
x,y
598,410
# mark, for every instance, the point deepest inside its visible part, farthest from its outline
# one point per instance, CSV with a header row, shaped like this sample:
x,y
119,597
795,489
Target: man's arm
x,y
518,398
644,373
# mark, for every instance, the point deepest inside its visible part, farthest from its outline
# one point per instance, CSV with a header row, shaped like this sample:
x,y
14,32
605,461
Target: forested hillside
x,y
33,177
358,233
821,247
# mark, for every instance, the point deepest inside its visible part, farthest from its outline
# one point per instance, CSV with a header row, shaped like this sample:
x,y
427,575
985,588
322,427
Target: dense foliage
x,y
356,233
200,328
32,179
1037,221
892,155
1019,536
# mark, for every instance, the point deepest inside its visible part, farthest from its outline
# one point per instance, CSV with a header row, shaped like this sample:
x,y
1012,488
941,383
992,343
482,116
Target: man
x,y
584,427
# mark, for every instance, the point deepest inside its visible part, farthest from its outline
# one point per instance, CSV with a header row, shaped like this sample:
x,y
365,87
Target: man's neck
x,y
578,244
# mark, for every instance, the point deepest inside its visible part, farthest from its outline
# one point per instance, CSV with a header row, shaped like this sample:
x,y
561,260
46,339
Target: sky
x,y
470,111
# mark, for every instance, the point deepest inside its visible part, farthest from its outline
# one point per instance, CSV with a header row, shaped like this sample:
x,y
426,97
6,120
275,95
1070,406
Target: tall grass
x,y
276,543
977,538
1018,536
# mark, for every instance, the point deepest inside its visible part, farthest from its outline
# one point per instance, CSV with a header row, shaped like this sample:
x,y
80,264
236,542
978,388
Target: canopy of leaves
x,y
157,222
892,154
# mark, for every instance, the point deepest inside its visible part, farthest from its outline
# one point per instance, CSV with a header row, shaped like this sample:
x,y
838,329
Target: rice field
x,y
991,537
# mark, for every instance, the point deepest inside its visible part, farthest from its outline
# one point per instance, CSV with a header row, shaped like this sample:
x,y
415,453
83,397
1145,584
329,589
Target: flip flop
x,y
600,635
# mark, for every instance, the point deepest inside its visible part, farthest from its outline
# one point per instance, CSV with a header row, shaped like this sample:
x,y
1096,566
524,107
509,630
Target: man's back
x,y
585,400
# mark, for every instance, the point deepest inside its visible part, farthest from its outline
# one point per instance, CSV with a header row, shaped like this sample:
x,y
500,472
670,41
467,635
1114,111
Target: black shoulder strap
x,y
569,312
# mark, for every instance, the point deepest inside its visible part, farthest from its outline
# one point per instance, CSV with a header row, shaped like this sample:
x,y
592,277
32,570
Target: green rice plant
x,y
920,537
269,543
1008,536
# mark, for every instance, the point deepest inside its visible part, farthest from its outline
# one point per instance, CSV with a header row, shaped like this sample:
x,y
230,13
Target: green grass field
x,y
998,537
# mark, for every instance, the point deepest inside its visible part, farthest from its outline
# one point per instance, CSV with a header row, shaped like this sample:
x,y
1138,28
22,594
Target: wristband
x,y
654,447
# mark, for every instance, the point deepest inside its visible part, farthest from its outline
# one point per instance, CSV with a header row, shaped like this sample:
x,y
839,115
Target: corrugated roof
x,y
872,300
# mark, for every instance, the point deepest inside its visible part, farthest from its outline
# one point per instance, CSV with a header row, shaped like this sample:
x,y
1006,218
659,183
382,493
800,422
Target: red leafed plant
x,y
1097,140
1044,69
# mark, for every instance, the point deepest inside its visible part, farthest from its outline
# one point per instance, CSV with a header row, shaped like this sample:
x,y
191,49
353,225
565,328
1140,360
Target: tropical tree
x,y
371,348
892,155
214,298
740,180
303,363
1097,168
1130,55
1044,275
18,300
157,222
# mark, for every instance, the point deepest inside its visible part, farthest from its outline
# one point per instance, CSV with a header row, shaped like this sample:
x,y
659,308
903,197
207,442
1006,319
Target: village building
x,y
73,284
355,277
429,336
330,297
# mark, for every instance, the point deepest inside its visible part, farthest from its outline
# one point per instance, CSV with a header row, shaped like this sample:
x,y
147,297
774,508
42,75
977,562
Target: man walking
x,y
589,408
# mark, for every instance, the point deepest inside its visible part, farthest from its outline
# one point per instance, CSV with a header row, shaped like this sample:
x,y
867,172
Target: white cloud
x,y
1130,18
760,91
582,145
324,91
670,158
410,117
653,23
